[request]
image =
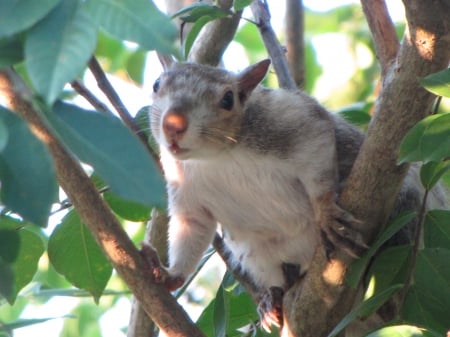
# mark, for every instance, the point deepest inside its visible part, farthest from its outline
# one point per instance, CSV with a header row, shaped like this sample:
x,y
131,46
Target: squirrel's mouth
x,y
176,150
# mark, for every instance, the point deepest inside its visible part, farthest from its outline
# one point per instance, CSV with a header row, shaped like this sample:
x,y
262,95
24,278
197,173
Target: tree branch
x,y
376,178
91,98
383,31
106,87
215,37
295,41
261,13
94,212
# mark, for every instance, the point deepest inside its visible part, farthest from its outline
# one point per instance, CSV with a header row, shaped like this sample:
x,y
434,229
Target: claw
x,y
158,272
339,230
270,308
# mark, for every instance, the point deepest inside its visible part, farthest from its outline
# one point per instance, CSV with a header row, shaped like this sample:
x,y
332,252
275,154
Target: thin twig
x,y
261,13
106,87
415,250
383,31
295,40
90,97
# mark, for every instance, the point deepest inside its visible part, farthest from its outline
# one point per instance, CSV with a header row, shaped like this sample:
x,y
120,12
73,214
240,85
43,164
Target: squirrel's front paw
x,y
270,308
159,273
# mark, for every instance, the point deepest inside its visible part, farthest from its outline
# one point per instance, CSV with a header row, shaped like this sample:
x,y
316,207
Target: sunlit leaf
x,y
138,21
437,83
193,33
431,172
18,15
241,4
26,172
221,313
58,48
198,10
403,331
366,308
74,253
428,141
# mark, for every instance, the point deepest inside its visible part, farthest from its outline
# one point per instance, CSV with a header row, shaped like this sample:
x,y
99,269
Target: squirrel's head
x,y
197,110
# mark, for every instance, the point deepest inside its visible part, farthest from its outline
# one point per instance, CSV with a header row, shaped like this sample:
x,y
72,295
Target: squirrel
x,y
264,165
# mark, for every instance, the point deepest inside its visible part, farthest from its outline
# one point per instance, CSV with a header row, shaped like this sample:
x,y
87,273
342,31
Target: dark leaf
x,y
117,156
18,15
26,172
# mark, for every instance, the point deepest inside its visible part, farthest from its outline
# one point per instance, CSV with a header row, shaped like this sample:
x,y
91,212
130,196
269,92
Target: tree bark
x,y
370,192
295,40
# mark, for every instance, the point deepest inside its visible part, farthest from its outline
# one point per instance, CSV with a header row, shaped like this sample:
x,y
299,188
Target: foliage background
x,y
78,311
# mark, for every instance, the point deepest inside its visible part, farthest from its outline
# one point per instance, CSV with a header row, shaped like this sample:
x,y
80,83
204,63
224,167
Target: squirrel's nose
x,y
174,124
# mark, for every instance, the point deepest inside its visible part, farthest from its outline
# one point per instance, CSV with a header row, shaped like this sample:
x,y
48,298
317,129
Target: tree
x,y
42,138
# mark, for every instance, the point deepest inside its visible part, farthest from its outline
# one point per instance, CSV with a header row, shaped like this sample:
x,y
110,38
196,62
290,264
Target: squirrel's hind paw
x,y
270,308
340,231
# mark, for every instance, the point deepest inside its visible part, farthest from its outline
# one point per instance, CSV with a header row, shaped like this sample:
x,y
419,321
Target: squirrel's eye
x,y
227,100
156,85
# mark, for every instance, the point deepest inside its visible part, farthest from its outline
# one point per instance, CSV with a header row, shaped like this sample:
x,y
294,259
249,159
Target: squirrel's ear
x,y
251,76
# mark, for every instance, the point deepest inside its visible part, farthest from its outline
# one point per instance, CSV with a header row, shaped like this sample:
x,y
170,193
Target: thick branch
x,y
376,178
108,232
295,41
383,31
261,13
215,38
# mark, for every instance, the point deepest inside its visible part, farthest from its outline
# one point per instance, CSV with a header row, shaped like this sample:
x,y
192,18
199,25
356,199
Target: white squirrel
x,y
264,164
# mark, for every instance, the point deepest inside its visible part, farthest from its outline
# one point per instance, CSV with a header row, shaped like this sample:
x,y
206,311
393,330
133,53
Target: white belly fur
x,y
261,205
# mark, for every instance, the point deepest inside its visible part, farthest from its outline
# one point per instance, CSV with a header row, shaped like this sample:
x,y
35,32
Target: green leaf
x,y
196,11
437,229
221,313
356,114
431,172
11,51
428,141
437,83
6,280
193,33
18,15
26,172
135,66
127,210
74,253
117,156
58,48
241,4
26,265
403,331
390,267
428,302
139,21
358,268
366,308
9,245
241,312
